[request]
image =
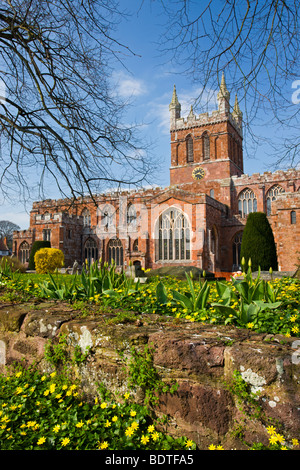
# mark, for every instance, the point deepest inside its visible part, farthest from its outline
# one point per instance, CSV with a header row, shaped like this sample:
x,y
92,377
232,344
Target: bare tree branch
x,y
60,118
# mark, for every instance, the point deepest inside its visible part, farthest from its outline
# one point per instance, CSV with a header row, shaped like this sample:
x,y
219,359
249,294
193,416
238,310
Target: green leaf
x,y
224,309
183,299
161,293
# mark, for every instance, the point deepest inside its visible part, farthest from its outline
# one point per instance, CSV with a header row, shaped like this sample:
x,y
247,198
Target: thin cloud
x,y
128,86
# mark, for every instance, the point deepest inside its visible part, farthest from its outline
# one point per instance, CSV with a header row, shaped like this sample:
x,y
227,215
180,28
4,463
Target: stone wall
x,y
200,358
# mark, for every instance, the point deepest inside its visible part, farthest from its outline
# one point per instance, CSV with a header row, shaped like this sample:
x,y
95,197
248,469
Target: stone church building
x,y
198,220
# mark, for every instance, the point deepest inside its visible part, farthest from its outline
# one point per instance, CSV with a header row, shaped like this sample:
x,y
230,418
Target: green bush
x,y
35,247
258,243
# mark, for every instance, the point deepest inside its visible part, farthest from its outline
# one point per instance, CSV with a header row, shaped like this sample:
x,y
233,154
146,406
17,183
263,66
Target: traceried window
x,y
272,195
90,250
206,146
173,236
247,202
86,218
24,252
236,250
189,149
115,251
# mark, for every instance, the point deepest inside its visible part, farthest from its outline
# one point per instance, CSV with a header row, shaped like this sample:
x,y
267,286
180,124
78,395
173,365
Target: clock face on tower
x,y
198,173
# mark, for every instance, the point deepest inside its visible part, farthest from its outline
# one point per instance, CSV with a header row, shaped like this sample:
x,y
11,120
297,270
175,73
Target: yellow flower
x,y
144,439
103,445
129,431
126,395
280,438
18,374
212,447
188,443
271,430
56,428
151,428
250,325
107,424
52,388
41,441
65,441
132,413
273,439
134,425
155,436
295,442
80,424
103,405
220,448
114,418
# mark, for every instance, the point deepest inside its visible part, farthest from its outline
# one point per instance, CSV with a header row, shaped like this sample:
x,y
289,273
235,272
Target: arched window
x,y
247,202
131,216
115,251
293,217
90,250
173,236
236,250
189,149
24,252
86,217
272,195
206,146
135,246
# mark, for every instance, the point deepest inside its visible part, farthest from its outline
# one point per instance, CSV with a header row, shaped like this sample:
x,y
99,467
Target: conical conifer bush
x,y
258,243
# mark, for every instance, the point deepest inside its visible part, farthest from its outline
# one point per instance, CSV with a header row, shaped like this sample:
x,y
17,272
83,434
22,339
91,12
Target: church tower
x,y
206,147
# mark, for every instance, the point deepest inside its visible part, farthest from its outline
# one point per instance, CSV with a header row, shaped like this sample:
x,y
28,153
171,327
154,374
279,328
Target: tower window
x,y
189,149
206,146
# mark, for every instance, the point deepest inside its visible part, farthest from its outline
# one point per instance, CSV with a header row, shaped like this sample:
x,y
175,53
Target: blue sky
x,y
147,83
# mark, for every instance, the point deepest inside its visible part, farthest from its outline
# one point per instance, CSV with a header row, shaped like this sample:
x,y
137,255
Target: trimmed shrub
x,y
35,247
258,243
47,260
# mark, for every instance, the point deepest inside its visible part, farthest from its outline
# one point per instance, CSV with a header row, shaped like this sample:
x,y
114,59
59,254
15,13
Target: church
x,y
198,220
